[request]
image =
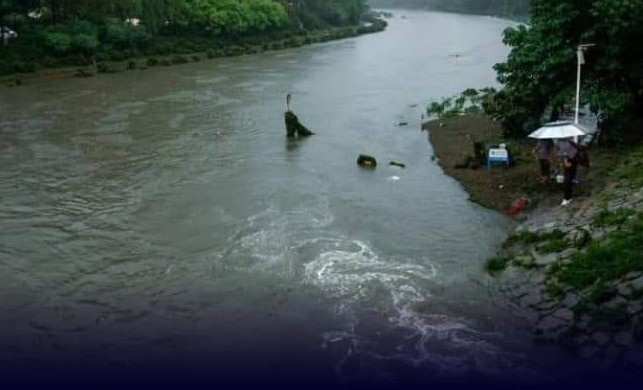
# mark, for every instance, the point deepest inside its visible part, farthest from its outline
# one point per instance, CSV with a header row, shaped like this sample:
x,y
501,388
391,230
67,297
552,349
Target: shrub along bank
x,y
170,51
90,32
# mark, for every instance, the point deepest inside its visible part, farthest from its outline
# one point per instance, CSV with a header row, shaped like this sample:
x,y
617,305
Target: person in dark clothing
x,y
543,151
570,165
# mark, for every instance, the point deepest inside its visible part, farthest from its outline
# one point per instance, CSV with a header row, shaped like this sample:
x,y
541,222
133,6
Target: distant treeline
x,y
483,7
76,32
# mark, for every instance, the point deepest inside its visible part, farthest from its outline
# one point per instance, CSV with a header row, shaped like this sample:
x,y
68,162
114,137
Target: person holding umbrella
x,y
570,164
565,131
543,151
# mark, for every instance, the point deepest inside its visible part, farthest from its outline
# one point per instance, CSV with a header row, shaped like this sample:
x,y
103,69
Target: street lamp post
x,y
580,59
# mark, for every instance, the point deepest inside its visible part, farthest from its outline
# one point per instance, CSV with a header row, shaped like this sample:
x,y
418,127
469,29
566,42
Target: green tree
x,y
487,7
314,14
6,6
236,18
155,14
540,72
77,31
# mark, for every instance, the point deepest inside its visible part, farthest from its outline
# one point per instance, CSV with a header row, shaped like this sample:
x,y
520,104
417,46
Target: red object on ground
x,y
517,206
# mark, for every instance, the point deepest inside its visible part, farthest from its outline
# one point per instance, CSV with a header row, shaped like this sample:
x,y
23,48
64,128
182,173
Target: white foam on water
x,y
272,236
266,245
356,278
350,272
451,344
315,215
393,178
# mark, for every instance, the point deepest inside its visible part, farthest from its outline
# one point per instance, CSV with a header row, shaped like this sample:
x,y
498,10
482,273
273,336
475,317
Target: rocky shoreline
x,y
562,316
574,273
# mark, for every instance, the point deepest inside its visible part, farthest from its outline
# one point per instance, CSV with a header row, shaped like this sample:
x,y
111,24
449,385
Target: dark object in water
x,y
366,161
397,164
294,127
403,123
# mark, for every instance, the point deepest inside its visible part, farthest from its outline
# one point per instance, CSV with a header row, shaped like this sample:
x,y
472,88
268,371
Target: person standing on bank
x,y
570,164
543,151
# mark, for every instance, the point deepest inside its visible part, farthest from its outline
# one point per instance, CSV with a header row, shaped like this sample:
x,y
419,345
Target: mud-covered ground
x,y
498,187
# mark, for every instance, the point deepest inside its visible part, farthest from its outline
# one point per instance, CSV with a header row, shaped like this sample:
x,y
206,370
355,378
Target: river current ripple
x,y
160,223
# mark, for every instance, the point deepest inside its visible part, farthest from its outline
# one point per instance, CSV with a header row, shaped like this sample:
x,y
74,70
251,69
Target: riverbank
x,y
453,142
574,273
497,188
184,52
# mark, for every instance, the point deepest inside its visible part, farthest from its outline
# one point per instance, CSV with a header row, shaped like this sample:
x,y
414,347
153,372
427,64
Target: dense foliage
x,y
484,7
79,31
539,76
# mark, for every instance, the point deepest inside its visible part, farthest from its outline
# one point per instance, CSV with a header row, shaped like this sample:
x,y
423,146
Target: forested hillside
x,y
484,7
61,32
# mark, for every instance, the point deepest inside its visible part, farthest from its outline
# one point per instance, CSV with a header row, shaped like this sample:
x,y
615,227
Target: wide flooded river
x,y
160,222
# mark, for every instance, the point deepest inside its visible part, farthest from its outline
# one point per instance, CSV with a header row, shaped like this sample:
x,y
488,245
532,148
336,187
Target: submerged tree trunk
x,y
294,127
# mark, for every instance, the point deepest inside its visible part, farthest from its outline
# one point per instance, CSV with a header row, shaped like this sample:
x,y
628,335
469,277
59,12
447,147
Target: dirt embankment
x,y
453,139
